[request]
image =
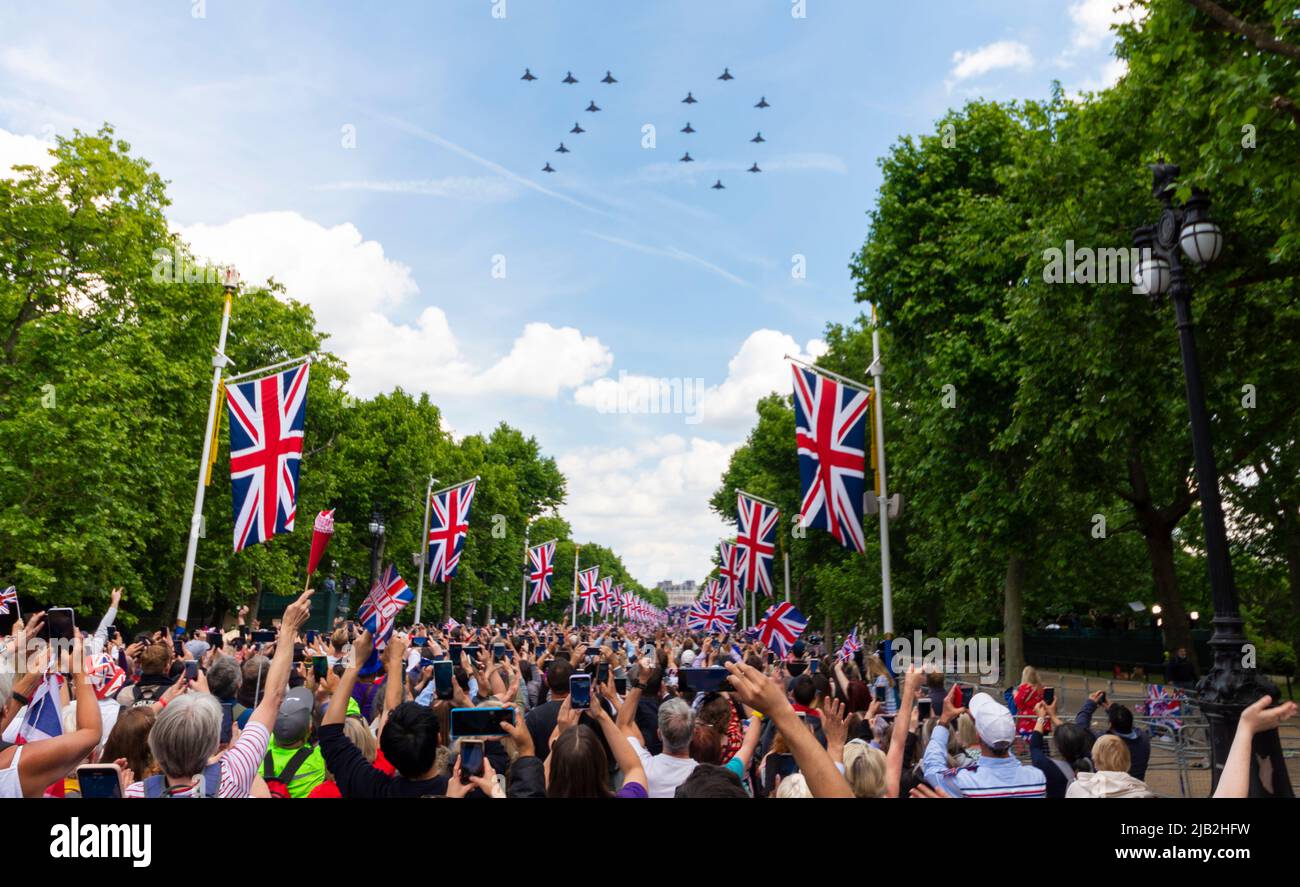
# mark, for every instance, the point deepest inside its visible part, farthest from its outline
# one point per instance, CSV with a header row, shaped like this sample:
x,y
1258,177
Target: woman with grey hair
x,y
187,733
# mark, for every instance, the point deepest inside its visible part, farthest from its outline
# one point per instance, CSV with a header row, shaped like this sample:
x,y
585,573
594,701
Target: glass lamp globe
x,y
1152,276
1202,241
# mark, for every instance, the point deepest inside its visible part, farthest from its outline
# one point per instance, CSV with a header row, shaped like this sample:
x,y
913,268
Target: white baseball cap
x,y
993,721
688,658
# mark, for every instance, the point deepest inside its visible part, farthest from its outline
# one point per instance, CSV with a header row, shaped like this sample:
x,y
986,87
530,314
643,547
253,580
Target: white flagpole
x,y
424,551
523,594
786,556
876,370
219,362
576,549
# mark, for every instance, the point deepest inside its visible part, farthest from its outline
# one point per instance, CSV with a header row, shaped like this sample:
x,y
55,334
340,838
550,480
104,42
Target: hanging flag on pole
x,y
756,522
322,531
267,417
541,560
588,588
831,437
448,527
731,593
780,627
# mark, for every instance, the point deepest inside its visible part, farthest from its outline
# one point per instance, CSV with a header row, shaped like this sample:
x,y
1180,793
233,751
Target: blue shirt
x,y
990,777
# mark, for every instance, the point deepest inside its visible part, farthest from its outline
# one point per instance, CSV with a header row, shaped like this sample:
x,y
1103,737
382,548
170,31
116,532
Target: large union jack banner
x,y
448,527
541,560
605,595
780,627
708,616
756,542
731,593
266,430
588,588
831,434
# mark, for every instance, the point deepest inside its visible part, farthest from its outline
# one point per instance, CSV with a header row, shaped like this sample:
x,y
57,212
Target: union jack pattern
x,y
541,561
850,646
709,617
588,588
267,417
730,592
831,434
756,542
7,597
448,527
379,610
780,627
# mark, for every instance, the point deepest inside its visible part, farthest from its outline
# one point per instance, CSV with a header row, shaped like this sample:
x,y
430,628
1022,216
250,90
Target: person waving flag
x,y
850,647
378,612
780,627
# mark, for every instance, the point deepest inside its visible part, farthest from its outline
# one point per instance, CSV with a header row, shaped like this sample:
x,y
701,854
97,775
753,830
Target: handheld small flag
x,y
7,597
780,627
378,612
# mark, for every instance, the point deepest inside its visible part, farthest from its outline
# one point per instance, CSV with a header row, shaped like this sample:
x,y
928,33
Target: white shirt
x,y
663,772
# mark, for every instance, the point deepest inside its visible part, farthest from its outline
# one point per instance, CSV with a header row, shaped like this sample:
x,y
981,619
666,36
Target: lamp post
x,y
376,536
1185,230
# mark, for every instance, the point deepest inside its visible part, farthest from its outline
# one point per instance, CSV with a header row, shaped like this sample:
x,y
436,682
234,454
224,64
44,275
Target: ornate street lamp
x,y
1187,231
376,536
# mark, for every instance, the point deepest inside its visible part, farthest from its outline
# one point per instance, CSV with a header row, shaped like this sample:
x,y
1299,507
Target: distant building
x,y
679,593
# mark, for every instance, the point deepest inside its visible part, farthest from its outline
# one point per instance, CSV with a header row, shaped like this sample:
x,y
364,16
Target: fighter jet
x,y
608,78
689,100
528,75
593,107
548,168
718,186
754,168
562,149
762,103
569,78
687,158
726,74
576,128
688,129
758,139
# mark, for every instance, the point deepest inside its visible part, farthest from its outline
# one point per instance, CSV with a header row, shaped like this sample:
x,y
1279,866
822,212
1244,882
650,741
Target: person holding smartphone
x,y
999,774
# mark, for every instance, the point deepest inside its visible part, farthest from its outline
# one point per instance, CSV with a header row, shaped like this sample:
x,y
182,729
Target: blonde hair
x,y
359,734
793,786
1030,676
864,767
1110,753
876,669
966,730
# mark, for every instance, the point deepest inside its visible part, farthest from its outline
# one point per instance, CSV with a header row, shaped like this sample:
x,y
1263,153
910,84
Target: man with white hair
x,y
996,774
669,769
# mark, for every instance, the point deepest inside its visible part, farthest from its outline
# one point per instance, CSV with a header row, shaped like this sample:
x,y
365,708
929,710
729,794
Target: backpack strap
x,y
299,758
153,786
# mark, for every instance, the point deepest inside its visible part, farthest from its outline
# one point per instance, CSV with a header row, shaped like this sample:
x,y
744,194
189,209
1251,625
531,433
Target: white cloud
x,y
353,288
756,370
627,498
1092,21
20,150
34,63
992,57
474,188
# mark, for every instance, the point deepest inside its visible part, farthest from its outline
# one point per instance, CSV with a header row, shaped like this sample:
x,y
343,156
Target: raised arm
x,y
1234,781
628,760
338,707
902,723
47,760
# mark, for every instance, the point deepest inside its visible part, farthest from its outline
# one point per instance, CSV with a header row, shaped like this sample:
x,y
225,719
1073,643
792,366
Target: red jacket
x,y
1027,697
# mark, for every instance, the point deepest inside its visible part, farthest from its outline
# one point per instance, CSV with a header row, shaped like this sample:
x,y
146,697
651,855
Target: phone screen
x,y
602,673
191,670
880,693
310,637
420,641
498,652
227,721
214,639
703,680
1049,695
779,765
923,708
813,665
966,694
471,758
320,666
455,650
263,636
480,721
620,686
580,691
443,675
99,781
60,624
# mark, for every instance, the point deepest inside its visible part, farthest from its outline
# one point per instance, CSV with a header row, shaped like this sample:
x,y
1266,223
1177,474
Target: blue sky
x,y
384,161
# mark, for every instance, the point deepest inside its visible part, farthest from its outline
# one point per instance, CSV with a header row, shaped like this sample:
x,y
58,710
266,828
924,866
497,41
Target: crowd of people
x,y
540,710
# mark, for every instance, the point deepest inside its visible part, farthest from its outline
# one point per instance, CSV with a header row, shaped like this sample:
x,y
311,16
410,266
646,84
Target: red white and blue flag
x,y
850,646
780,627
730,592
588,588
8,596
44,716
756,542
605,595
712,591
378,612
267,417
708,616
831,435
448,527
615,598
541,566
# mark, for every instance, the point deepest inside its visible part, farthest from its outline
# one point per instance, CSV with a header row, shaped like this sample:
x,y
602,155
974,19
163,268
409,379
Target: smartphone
x,y
455,649
580,691
923,709
483,721
227,721
813,665
310,636
444,672
471,759
1049,695
703,680
191,669
1101,700
966,694
60,624
214,639
602,673
778,765
472,650
880,693
100,780
620,686
498,652
771,658
320,667
264,636
420,641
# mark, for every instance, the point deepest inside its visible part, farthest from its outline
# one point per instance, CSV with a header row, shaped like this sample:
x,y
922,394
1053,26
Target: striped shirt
x,y
990,777
238,766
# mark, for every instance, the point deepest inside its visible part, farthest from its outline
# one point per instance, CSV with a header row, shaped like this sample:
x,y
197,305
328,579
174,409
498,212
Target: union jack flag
x,y
831,434
605,595
730,592
1164,706
7,597
710,617
711,591
542,566
267,416
780,627
448,527
378,612
756,542
451,624
615,599
588,588
850,646
105,676
44,716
